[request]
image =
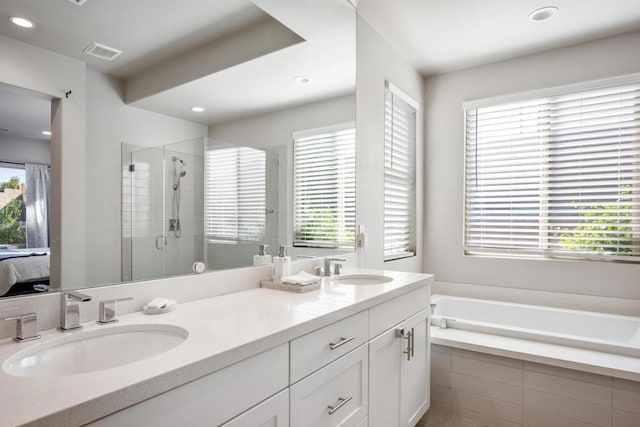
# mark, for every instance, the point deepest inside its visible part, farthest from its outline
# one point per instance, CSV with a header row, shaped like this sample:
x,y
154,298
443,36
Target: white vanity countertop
x,y
222,330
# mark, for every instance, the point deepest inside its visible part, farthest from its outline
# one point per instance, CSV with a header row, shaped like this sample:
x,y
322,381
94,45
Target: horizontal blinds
x,y
557,176
235,194
324,188
399,177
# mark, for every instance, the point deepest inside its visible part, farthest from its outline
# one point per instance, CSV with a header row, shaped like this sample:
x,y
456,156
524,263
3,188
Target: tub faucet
x,y
70,310
444,322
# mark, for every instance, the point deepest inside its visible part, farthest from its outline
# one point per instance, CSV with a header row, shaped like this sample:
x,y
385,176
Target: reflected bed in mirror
x,y
25,157
274,78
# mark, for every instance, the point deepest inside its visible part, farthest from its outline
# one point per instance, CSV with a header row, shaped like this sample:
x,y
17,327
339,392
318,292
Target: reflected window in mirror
x,y
324,187
25,157
235,187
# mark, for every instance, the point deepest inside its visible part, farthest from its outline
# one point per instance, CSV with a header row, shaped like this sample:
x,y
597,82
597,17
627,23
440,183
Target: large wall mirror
x,y
220,127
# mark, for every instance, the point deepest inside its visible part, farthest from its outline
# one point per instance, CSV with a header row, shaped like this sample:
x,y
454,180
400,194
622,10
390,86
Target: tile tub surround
x,y
222,330
470,388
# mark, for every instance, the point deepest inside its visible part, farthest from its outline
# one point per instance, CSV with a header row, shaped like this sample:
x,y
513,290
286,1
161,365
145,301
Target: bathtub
x,y
582,329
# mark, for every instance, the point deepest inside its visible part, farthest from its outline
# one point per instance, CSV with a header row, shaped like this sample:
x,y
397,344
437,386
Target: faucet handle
x,y
107,310
337,268
26,327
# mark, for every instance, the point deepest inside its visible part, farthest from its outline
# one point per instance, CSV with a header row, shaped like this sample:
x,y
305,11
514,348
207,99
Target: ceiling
x,y
439,36
147,31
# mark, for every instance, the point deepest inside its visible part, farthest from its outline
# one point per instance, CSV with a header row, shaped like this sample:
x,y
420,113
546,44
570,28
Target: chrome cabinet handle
x,y
341,402
342,342
412,342
400,333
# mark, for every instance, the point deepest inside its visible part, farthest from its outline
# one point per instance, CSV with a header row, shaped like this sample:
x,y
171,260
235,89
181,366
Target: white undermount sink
x,y
81,352
361,279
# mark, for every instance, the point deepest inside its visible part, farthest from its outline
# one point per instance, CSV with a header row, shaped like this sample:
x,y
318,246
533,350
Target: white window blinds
x,y
325,187
399,175
556,176
235,194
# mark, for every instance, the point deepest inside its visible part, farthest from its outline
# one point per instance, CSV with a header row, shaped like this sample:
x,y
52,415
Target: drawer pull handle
x,y
341,402
342,342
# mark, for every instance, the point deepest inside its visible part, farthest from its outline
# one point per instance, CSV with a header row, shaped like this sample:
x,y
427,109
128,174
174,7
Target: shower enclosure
x,y
162,209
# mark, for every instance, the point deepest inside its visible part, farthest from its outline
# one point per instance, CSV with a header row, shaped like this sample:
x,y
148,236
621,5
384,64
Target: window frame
x,y
395,91
549,92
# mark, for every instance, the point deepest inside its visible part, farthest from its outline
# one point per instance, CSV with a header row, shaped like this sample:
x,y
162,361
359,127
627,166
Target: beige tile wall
x,y
470,389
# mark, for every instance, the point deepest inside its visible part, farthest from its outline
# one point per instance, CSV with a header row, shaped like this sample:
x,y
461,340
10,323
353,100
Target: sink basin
x,y
362,279
81,352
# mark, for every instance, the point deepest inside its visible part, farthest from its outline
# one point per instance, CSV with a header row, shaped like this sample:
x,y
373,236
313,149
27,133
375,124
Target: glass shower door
x,y
162,209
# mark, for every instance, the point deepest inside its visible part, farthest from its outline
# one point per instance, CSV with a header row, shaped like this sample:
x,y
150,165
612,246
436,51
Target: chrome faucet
x,y
107,310
70,310
327,265
26,327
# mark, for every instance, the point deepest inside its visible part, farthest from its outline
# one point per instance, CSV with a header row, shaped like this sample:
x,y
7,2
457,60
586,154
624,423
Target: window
x,y
325,187
399,175
235,194
13,229
557,176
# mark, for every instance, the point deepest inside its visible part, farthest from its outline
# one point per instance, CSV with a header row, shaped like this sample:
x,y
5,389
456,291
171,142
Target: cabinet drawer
x,y
210,400
390,313
319,348
336,395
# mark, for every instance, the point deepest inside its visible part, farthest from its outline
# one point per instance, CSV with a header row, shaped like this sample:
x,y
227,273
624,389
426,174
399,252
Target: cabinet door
x,y
273,412
385,354
414,370
399,373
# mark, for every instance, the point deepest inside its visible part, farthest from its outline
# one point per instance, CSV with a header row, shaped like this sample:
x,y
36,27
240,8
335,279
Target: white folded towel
x,y
303,278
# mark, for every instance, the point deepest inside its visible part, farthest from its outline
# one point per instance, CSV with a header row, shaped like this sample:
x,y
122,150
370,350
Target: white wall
x,y
274,129
24,150
444,168
110,122
377,61
51,75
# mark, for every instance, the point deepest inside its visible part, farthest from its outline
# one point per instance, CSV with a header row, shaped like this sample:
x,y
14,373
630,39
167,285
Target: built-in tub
x,y
583,329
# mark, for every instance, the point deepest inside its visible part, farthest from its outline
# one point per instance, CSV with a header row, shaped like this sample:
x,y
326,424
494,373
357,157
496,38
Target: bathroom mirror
x,y
275,78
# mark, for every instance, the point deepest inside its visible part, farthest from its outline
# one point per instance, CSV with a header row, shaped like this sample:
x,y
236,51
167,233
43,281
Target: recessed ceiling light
x,y
197,109
46,132
22,22
543,13
302,79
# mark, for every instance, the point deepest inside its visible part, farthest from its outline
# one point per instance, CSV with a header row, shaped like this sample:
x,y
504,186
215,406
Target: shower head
x,y
178,159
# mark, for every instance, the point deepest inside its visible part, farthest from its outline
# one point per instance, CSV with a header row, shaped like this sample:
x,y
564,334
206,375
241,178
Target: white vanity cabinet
x,y
399,373
368,369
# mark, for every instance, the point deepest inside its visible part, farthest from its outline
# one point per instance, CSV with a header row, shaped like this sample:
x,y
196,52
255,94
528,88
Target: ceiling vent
x,y
78,2
101,51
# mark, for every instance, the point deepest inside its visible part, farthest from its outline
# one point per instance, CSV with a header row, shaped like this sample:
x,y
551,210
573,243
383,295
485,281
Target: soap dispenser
x,y
281,265
262,258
